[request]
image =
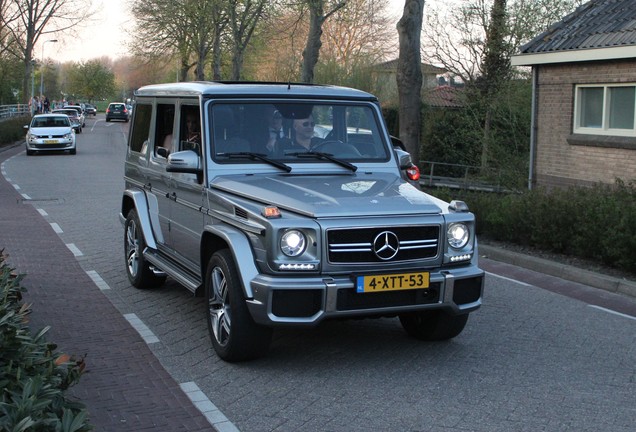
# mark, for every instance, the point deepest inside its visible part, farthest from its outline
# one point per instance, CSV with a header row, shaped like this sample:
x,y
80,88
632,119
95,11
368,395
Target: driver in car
x,y
302,137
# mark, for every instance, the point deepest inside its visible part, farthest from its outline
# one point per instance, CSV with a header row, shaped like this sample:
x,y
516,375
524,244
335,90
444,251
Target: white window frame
x,y
604,129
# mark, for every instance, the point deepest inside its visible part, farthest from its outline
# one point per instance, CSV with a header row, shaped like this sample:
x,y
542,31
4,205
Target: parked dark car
x,y
90,110
117,111
73,115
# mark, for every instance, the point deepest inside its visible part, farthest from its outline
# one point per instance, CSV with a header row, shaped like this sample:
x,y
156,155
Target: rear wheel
x,y
139,272
434,325
235,336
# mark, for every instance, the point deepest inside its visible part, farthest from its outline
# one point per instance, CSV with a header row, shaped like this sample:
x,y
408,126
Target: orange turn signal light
x,y
271,212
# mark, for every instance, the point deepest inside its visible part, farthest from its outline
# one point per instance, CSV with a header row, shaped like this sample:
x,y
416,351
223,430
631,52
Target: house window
x,y
605,110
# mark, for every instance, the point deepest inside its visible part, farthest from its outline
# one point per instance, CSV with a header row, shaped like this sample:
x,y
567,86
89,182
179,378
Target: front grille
x,y
357,245
349,299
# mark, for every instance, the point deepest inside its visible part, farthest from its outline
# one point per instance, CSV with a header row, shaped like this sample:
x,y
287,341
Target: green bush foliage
x,y
12,130
33,376
597,223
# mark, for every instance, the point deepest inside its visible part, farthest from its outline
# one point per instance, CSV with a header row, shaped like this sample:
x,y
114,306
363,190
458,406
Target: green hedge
x,y
12,130
33,376
597,223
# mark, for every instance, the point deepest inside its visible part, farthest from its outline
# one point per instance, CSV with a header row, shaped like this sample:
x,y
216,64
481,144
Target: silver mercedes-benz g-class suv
x,y
286,205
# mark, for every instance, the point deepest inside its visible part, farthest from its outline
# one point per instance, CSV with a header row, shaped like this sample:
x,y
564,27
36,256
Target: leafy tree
x,y
496,70
25,22
409,76
92,80
244,16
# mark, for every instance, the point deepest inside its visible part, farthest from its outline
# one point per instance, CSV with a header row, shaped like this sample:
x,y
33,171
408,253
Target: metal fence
x,y
457,176
8,111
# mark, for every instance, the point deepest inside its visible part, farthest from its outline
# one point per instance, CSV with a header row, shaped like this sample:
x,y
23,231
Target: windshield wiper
x,y
326,156
256,156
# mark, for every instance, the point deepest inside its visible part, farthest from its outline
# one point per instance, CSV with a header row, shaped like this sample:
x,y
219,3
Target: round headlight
x,y
458,235
292,243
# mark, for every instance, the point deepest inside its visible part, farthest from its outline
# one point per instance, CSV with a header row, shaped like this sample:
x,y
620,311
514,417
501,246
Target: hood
x,y
377,194
48,131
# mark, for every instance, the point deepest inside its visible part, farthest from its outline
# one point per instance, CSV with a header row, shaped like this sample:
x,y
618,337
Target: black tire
x,y
235,336
74,151
30,152
138,269
434,325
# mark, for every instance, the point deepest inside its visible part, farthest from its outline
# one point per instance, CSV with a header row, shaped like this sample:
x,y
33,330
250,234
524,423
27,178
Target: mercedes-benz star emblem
x,y
386,245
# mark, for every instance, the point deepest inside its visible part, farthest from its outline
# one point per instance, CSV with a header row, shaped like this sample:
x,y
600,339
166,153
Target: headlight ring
x,y
458,235
293,243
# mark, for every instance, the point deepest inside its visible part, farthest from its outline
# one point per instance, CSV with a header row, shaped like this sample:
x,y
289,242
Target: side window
x,y
190,131
164,133
141,127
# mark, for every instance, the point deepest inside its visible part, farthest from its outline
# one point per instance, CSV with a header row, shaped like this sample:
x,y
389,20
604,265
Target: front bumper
x,y
54,144
308,301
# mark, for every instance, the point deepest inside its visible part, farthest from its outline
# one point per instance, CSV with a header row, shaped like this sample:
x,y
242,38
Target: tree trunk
x,y
409,76
496,66
317,18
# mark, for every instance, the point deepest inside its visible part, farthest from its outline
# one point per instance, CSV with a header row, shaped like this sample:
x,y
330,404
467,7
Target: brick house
x,y
584,96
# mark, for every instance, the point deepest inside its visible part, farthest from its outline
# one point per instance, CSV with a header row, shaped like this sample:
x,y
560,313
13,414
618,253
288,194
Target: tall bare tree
x,y
359,32
244,16
456,36
317,17
409,76
27,21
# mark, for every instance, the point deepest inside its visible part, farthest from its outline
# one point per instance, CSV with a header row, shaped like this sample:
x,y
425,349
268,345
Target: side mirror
x,y
185,161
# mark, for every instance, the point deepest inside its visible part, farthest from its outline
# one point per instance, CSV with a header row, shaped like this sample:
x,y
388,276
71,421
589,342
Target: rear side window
x,y
141,127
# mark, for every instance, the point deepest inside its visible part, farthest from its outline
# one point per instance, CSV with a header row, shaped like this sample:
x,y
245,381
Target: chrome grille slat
x,y
356,245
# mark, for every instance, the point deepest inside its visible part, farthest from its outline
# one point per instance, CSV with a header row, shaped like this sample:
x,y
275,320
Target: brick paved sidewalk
x,y
125,387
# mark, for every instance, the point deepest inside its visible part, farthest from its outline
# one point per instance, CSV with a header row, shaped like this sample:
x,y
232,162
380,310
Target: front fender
x,y
242,252
139,201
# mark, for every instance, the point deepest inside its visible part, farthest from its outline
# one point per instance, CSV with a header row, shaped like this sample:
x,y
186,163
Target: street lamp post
x,y
42,71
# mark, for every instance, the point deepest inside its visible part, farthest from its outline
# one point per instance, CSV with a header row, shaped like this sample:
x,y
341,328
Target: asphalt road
x,y
529,360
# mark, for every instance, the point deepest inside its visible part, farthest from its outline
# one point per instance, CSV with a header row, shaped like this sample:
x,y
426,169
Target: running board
x,y
176,271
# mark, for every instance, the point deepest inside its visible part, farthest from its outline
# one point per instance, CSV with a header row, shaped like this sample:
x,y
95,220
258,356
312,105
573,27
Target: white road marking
x,y
509,279
74,249
209,410
56,228
143,330
97,279
613,312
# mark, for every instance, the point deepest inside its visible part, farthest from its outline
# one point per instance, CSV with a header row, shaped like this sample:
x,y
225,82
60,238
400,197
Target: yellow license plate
x,y
50,141
392,282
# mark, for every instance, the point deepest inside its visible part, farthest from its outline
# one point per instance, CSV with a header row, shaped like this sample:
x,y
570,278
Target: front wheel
x,y
434,325
139,272
235,336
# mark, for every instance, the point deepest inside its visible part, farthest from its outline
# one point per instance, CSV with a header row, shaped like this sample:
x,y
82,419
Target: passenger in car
x,y
275,128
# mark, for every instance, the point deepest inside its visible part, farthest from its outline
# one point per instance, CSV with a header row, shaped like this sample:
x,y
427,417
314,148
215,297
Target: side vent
x,y
240,213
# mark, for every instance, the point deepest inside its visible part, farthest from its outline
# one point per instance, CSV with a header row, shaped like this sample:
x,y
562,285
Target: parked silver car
x,y
286,205
50,132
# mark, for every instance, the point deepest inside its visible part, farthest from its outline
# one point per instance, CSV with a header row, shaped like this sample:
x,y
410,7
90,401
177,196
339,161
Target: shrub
x,y
33,376
596,223
12,130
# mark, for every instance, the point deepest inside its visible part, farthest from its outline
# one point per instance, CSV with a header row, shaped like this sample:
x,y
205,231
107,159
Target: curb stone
x,y
563,271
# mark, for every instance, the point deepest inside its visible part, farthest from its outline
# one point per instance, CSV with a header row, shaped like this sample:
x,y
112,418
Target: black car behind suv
x,y
116,111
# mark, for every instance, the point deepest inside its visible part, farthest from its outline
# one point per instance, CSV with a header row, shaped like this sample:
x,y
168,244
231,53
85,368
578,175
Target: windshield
x,y
296,132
